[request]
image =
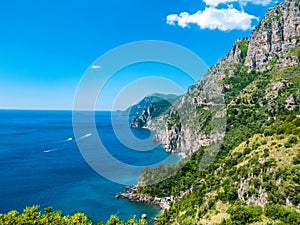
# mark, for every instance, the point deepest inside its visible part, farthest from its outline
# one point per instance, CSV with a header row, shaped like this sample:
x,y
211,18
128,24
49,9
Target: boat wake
x,y
59,143
84,136
51,150
66,141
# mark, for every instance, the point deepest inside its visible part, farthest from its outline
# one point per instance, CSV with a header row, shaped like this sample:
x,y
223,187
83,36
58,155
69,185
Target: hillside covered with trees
x,y
255,176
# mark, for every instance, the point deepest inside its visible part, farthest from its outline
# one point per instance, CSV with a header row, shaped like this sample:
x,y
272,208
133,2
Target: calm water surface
x,y
40,164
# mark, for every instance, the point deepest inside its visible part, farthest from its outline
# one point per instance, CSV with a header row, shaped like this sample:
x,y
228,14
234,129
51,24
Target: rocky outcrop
x,y
149,200
149,108
252,194
278,32
132,195
184,127
179,130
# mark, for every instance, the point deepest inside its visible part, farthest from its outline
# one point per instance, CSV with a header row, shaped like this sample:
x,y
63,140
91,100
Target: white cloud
x,y
217,2
212,18
260,2
243,2
224,17
95,67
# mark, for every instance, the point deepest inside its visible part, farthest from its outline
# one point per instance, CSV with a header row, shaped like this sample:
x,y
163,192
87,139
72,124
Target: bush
x,y
231,194
32,215
245,214
283,213
246,151
293,140
266,152
296,159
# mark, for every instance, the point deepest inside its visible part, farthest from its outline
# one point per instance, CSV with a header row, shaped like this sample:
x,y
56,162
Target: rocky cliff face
x,y
180,129
273,43
149,108
277,33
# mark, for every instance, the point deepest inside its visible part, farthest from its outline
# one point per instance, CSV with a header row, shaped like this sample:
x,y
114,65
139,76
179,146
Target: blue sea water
x,y
41,164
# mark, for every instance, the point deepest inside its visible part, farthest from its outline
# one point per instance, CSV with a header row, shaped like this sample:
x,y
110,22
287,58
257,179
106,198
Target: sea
x,y
41,164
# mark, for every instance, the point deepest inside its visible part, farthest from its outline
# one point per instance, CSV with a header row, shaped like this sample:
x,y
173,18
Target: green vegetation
x,y
160,107
173,120
255,178
294,38
244,214
32,215
152,109
295,52
274,18
279,212
243,46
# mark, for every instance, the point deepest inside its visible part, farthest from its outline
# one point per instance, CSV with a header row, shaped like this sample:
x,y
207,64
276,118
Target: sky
x,y
47,46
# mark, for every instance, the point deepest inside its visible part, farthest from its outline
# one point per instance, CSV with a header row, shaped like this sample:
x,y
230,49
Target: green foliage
x,y
244,214
32,215
282,213
173,120
237,83
231,194
295,52
294,38
296,159
291,141
161,172
243,46
246,151
249,113
159,108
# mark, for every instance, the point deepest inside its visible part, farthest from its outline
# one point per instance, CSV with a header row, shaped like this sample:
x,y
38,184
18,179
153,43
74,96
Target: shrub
x,y
283,213
246,151
296,159
266,152
241,214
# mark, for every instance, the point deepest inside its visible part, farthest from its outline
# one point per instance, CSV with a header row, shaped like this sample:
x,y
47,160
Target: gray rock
x,y
278,32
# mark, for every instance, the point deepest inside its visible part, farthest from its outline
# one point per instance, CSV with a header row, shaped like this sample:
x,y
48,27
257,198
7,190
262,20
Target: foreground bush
x,y
32,215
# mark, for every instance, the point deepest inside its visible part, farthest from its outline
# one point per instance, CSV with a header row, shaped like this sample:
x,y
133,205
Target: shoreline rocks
x,y
161,203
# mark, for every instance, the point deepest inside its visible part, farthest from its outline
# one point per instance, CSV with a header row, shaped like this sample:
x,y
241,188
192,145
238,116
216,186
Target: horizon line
x,y
82,110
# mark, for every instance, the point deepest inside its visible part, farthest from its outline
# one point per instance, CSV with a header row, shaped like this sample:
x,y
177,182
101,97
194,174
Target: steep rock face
x,y
149,108
182,128
278,32
137,109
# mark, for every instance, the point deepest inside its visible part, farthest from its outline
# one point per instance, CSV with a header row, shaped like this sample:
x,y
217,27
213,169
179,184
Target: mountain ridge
x,y
237,61
254,177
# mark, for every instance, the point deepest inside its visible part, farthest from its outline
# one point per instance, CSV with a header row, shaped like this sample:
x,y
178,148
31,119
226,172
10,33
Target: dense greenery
x,y
255,178
243,46
150,108
32,215
256,175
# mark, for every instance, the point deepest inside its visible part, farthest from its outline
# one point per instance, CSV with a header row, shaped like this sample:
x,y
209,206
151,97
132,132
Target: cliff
x,y
191,121
250,99
149,108
277,33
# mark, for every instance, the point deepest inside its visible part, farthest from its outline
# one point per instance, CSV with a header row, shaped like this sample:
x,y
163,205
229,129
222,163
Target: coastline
x,y
162,203
132,195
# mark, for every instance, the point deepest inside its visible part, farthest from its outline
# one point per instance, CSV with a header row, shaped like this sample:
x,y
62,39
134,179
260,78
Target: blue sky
x,y
46,46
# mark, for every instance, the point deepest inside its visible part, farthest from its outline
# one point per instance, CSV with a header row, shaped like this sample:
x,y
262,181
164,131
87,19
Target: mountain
x,y
239,127
277,33
149,107
273,44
